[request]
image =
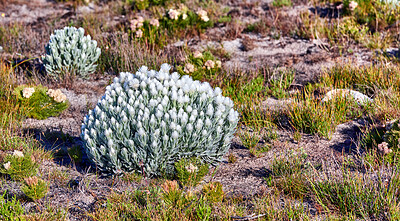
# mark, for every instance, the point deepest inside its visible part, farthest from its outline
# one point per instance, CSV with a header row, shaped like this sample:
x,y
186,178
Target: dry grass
x,y
292,180
122,54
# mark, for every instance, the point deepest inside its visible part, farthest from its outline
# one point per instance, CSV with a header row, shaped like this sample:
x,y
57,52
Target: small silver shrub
x,y
147,121
70,52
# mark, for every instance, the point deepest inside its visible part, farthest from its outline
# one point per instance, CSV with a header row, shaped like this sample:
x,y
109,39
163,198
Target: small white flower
x,y
184,16
189,68
209,64
353,5
218,63
139,33
173,14
205,18
133,24
140,19
384,148
197,54
191,168
154,22
18,153
27,92
57,95
203,15
7,165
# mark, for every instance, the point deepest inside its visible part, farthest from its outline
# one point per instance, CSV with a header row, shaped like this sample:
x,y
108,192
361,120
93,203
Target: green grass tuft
x,y
40,105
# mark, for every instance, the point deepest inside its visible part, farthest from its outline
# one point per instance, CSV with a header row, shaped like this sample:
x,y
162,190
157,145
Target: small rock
x,y
179,44
360,98
90,8
232,46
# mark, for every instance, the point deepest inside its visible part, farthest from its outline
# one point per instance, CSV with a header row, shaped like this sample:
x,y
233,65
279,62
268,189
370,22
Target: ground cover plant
x,y
40,102
280,110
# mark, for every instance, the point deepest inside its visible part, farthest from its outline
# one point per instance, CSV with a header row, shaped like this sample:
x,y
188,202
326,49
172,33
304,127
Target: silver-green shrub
x,y
147,121
70,52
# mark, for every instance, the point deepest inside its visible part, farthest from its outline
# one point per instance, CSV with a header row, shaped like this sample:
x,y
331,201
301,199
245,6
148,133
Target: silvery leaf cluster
x,y
69,51
149,120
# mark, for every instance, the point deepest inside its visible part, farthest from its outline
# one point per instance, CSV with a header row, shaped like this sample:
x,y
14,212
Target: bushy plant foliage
x,y
10,210
69,52
200,65
40,105
392,137
19,166
184,18
34,188
190,171
213,192
147,121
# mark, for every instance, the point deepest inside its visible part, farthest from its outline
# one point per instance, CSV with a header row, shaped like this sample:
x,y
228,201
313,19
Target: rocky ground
x,y
80,189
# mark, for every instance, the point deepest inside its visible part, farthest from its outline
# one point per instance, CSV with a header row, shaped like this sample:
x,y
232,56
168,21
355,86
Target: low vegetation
x,y
165,166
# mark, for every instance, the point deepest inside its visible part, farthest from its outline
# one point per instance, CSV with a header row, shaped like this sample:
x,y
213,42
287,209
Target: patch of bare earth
x,y
80,190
